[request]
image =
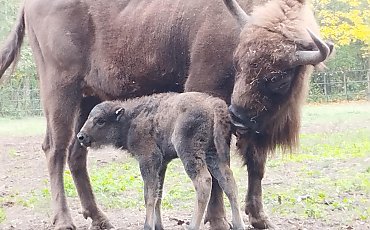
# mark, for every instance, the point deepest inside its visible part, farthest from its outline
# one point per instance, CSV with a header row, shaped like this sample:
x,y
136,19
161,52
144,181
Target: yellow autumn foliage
x,y
344,21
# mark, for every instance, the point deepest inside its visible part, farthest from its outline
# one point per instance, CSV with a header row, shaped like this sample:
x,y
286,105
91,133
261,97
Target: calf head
x,y
277,51
105,125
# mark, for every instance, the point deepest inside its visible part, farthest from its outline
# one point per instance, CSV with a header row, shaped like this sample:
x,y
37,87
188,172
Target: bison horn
x,y
313,57
238,13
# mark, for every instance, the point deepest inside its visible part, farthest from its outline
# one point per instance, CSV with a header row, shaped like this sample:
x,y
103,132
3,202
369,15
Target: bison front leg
x,y
77,164
255,161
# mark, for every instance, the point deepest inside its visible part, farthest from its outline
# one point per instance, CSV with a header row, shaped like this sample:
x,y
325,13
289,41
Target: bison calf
x,y
156,129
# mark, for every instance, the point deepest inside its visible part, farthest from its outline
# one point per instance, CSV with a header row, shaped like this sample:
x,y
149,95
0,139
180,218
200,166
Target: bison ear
x,y
119,112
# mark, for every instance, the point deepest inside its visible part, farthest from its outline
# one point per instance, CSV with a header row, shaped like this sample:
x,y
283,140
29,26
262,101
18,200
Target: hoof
x,y
63,221
218,224
101,225
261,223
99,222
159,227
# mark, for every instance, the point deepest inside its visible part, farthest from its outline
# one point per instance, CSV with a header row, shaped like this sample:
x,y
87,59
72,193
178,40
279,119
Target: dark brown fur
x,y
89,51
268,51
270,88
156,129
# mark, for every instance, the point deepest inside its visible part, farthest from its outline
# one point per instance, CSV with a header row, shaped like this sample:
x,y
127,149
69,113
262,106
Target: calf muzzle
x,y
84,139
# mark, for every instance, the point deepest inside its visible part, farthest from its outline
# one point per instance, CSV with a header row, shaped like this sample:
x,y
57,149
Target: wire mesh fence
x,y
21,97
340,85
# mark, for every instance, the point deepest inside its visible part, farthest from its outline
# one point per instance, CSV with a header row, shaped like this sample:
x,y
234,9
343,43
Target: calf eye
x,y
100,122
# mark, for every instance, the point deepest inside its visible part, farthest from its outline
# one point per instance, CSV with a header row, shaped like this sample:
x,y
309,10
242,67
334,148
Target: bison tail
x,y
10,51
222,130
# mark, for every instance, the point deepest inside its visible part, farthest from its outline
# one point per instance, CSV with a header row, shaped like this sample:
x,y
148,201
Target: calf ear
x,y
119,112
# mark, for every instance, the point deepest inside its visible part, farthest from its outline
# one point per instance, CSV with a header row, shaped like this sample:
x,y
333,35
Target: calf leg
x,y
195,166
150,167
202,180
77,164
222,172
158,216
216,209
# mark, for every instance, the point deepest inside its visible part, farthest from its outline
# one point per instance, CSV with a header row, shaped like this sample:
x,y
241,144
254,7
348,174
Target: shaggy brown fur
x,y
88,51
270,87
156,129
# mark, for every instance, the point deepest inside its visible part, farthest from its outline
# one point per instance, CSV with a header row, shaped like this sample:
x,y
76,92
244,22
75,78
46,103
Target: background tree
x,y
347,24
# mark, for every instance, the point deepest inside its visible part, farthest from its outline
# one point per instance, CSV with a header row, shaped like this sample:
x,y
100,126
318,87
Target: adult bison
x,y
88,51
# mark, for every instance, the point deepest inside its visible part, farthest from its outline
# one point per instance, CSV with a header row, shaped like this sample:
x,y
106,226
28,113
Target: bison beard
x,y
90,51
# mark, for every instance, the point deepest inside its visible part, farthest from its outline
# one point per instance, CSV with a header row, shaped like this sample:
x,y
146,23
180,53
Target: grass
x,y
119,185
2,215
33,199
335,112
329,176
321,196
340,145
31,126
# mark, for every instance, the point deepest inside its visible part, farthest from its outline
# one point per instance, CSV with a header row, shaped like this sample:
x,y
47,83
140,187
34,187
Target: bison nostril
x,y
80,137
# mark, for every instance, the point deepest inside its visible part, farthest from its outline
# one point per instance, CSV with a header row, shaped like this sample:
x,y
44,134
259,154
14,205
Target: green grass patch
x,y
336,112
22,127
2,215
317,203
119,185
317,194
33,199
341,145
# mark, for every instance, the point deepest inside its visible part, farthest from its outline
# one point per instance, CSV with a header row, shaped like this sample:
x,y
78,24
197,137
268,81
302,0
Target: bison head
x,y
274,58
105,125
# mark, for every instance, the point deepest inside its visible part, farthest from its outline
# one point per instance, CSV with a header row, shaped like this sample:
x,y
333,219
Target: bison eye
x,y
279,82
254,65
100,122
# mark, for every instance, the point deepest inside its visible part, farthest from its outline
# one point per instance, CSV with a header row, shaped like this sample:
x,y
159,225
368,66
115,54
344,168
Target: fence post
x,y
27,95
325,88
345,85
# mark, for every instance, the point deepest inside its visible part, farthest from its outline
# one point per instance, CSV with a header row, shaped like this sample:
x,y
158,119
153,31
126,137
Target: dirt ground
x,y
23,170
